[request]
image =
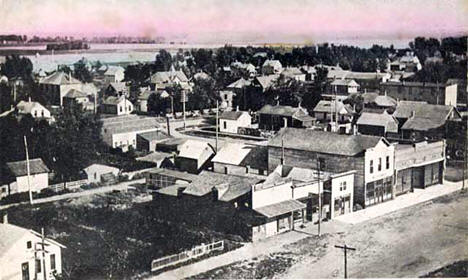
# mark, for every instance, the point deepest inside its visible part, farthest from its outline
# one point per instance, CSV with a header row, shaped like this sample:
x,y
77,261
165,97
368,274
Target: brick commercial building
x,y
431,93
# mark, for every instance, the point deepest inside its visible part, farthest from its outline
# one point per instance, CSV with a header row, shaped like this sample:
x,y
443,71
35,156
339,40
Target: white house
x,y
35,109
114,74
21,255
18,173
58,84
95,171
270,67
230,121
117,106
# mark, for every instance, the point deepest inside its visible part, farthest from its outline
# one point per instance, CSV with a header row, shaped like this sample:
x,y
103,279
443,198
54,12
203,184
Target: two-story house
x,y
231,121
270,67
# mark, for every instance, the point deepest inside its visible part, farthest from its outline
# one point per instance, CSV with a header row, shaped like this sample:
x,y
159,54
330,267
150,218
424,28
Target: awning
x,y
280,208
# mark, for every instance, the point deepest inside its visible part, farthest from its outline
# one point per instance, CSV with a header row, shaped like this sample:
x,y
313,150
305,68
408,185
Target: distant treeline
x,y
74,45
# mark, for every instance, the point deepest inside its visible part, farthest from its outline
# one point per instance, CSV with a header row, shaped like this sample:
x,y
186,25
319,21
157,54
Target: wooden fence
x,y
195,252
68,185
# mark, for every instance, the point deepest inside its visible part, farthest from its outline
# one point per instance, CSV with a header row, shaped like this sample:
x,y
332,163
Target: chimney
x,y
285,122
237,108
412,114
5,218
29,99
215,193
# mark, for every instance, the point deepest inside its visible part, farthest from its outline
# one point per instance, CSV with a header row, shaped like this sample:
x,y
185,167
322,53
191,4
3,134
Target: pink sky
x,y
239,20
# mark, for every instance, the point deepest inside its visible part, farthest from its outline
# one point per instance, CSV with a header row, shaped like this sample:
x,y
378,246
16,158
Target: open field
x,y
408,243
109,235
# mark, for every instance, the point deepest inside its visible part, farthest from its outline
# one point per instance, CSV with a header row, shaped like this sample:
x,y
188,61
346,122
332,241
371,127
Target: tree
x,y
205,94
163,60
17,67
81,71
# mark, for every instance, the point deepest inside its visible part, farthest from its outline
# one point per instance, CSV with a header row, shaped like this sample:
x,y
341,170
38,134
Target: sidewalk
x,y
400,202
118,187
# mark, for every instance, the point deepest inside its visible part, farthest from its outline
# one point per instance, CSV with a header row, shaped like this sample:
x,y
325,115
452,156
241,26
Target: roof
x,y
266,81
230,186
171,190
112,70
73,93
175,174
375,119
327,106
379,100
366,75
102,167
281,110
156,135
414,84
241,83
145,95
154,157
405,109
114,100
89,88
118,86
168,77
291,71
280,208
26,107
273,63
128,123
233,153
10,234
232,115
59,78
323,141
344,82
19,168
202,76
195,149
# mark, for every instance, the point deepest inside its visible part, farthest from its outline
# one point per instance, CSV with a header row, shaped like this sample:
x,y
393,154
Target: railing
x,y
195,252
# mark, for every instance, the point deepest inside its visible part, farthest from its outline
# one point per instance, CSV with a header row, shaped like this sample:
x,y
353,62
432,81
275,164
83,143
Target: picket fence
x,y
193,253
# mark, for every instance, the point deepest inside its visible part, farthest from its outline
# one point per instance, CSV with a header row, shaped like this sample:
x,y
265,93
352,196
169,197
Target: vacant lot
x,y
408,243
109,236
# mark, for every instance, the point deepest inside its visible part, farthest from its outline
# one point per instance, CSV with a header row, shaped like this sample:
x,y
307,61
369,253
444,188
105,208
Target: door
x,y
25,271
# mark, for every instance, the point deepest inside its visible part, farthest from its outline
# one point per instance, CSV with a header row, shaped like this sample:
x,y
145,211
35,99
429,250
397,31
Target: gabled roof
x,y
232,115
201,76
375,119
102,167
112,70
232,153
195,149
59,78
26,107
291,72
73,93
273,63
281,110
156,135
241,83
379,100
405,109
266,81
327,106
344,82
115,100
128,123
168,77
118,86
19,168
323,141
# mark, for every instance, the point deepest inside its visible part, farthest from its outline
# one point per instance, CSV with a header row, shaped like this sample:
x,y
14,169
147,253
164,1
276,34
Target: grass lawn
x,y
109,236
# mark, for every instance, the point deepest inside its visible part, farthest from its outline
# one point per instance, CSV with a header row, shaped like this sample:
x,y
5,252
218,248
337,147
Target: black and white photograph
x,y
243,139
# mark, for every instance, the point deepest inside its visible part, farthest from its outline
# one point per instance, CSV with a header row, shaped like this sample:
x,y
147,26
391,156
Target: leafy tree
x,y
81,71
163,60
17,67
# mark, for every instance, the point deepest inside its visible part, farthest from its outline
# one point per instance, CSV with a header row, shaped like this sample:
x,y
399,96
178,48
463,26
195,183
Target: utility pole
x,y
465,133
345,249
319,196
43,253
183,104
217,124
28,170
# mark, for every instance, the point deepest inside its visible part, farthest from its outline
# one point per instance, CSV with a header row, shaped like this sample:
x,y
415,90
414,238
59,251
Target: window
x,y
42,113
344,185
388,162
225,170
371,170
133,142
35,113
95,175
38,266
52,261
120,108
29,244
225,125
380,164
129,108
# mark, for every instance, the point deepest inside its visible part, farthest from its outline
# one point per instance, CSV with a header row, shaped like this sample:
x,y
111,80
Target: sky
x,y
239,21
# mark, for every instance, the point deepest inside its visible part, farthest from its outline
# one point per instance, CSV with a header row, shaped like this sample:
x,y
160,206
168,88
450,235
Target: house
x,y
116,105
227,98
368,81
74,96
419,165
344,87
22,255
270,67
194,156
142,102
376,101
275,117
170,145
293,73
201,76
241,159
231,121
114,74
57,85
35,109
160,159
117,89
371,157
419,120
164,80
378,124
238,85
17,176
407,63
98,173
146,141
432,93
263,83
121,131
327,110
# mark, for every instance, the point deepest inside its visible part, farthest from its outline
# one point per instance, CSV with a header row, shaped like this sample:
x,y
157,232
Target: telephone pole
x,y
28,170
217,123
345,249
319,196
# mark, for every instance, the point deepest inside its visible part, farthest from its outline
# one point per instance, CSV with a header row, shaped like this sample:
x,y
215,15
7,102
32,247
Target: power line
x,y
345,249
